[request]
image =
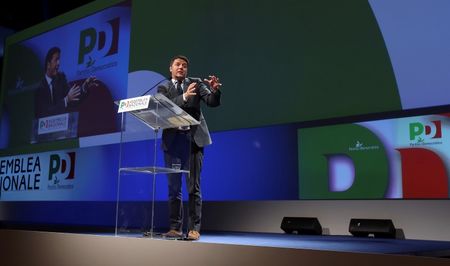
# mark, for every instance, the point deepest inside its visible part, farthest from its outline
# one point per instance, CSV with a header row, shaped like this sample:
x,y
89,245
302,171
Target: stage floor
x,y
22,247
325,243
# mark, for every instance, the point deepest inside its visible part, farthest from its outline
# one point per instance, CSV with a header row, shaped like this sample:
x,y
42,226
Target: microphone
x,y
154,86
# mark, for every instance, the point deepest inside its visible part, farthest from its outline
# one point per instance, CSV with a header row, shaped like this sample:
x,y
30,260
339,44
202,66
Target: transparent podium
x,y
141,160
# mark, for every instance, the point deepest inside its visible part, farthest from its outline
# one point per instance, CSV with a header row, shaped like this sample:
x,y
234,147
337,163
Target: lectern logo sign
x,y
133,104
55,123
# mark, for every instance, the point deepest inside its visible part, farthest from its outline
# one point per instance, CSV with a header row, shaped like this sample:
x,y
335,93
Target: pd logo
x,y
62,166
419,130
101,42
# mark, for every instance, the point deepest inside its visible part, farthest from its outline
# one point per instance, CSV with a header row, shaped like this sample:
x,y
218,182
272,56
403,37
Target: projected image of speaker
x,y
380,228
301,226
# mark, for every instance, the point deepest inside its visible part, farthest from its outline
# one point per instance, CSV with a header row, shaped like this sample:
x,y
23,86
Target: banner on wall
x,y
35,174
404,158
88,174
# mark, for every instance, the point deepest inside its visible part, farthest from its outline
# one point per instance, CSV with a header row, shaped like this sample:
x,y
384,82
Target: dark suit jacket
x,y
200,133
44,106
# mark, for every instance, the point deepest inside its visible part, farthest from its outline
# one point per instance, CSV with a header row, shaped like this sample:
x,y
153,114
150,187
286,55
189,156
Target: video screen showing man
x,y
54,95
86,105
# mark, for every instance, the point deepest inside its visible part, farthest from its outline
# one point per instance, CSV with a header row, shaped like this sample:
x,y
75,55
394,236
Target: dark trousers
x,y
190,158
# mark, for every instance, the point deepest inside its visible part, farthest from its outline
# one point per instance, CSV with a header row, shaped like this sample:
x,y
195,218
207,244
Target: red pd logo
x,y
62,166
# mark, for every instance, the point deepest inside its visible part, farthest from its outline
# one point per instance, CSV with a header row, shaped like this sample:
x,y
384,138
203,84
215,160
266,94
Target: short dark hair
x,y
50,54
179,57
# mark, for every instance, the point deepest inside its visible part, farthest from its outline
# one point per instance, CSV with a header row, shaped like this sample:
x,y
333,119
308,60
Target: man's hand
x,y
190,91
89,82
73,93
213,83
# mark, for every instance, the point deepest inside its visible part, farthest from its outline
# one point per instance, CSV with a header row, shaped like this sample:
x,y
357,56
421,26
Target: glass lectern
x,y
137,175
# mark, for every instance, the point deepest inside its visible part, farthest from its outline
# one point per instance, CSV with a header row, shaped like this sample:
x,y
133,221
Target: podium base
x,y
155,235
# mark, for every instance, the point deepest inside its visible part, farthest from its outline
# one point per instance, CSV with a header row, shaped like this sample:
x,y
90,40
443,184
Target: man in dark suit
x,y
187,93
53,95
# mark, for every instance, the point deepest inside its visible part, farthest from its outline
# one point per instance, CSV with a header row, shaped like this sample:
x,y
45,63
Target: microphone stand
x,y
157,83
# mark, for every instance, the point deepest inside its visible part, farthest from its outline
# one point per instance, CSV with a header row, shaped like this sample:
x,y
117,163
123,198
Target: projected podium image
x,y
142,164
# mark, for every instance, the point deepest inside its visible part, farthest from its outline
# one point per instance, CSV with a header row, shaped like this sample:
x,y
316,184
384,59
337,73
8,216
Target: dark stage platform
x,y
20,247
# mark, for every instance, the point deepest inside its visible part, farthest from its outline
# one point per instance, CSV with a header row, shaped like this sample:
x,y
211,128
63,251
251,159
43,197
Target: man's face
x,y
53,65
179,69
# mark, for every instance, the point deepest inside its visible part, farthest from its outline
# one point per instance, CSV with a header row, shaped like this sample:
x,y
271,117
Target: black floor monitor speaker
x,y
383,228
301,225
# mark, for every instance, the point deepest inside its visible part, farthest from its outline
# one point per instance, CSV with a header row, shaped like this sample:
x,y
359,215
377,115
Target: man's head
x,y
52,61
179,67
